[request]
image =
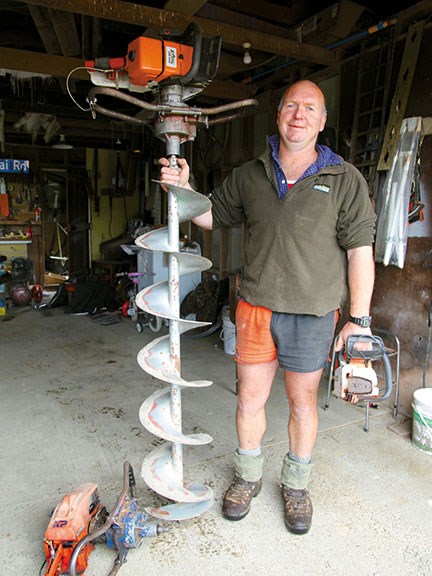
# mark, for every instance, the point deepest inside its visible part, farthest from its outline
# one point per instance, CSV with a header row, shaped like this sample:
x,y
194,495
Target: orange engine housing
x,y
150,59
68,525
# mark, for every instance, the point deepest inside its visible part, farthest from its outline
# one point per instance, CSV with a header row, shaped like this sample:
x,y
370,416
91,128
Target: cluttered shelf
x,y
23,240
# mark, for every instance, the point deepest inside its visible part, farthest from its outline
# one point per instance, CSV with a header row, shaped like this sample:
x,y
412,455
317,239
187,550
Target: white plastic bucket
x,y
422,419
227,334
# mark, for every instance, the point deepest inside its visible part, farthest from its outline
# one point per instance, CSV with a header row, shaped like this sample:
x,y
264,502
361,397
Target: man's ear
x,y
323,122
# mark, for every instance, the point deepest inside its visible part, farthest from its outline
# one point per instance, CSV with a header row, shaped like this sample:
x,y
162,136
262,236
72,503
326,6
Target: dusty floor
x,y
71,392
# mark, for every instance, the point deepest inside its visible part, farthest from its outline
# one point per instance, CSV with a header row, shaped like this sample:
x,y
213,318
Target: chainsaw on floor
x,y
80,521
355,379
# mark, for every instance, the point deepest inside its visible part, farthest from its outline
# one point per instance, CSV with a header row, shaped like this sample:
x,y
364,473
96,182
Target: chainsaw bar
x,y
359,385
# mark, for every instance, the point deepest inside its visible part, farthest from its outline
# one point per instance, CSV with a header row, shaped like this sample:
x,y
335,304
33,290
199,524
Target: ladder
x,y
371,103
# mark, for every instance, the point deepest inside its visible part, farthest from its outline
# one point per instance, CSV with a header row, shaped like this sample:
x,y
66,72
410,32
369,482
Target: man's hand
x,y
177,176
348,330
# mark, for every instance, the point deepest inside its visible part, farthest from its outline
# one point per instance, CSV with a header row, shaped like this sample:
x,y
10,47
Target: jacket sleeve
x,y
356,216
227,203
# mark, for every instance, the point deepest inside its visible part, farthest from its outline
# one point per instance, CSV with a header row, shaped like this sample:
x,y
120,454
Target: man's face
x,y
302,115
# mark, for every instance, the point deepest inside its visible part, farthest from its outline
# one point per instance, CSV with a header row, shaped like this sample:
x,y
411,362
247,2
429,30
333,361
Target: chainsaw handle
x,y
388,377
195,31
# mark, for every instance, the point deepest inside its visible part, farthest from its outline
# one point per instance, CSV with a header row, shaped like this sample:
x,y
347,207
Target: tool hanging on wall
x,y
174,69
393,215
4,199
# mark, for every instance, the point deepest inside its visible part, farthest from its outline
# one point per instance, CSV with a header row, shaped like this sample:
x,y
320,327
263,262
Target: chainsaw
x,y
355,379
79,522
174,67
185,59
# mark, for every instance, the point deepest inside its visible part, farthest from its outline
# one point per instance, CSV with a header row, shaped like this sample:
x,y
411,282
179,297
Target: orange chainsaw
x,y
70,523
79,521
173,68
355,379
185,59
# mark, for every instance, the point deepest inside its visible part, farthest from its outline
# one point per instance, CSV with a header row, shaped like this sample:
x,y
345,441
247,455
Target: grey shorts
x,y
302,341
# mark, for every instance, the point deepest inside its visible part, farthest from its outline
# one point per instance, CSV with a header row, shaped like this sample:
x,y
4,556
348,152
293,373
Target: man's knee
x,y
303,411
250,404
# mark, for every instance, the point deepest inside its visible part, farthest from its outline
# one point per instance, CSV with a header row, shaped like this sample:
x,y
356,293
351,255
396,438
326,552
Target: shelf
x,y
15,241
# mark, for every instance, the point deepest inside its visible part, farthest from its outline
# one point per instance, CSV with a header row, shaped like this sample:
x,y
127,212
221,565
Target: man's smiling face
x,y
302,115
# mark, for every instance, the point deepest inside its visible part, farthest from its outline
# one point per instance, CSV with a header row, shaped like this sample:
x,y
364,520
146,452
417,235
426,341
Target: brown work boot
x,y
238,498
297,510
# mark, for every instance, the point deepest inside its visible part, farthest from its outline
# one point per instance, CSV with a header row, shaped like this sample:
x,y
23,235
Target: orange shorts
x,y
254,342
300,342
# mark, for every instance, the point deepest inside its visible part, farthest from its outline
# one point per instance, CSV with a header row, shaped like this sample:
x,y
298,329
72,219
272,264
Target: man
x,y
310,228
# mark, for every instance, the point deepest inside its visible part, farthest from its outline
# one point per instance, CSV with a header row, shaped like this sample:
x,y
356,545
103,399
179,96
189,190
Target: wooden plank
x,y
44,26
290,14
66,31
400,98
38,63
131,13
415,11
189,7
213,12
426,126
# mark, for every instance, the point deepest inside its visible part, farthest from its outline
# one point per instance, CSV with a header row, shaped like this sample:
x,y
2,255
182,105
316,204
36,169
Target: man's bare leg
x,y
254,386
302,395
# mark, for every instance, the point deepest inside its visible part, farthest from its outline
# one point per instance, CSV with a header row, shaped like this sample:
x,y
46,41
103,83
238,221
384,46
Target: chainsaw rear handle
x,y
376,352
193,31
388,378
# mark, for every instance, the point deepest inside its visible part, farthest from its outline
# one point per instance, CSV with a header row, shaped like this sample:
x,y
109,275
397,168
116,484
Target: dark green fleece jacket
x,y
295,252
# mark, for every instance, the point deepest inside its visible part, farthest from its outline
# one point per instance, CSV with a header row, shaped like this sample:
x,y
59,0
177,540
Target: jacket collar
x,y
267,160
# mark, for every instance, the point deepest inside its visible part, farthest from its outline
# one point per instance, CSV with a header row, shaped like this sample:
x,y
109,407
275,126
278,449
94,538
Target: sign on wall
x,y
9,165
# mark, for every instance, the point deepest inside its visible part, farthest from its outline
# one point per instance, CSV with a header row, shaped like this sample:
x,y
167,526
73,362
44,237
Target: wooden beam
x,y
415,11
66,31
189,7
218,14
136,14
61,66
45,28
291,14
39,63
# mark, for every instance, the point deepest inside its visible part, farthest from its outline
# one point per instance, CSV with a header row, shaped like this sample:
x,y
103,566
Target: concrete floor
x,y
71,392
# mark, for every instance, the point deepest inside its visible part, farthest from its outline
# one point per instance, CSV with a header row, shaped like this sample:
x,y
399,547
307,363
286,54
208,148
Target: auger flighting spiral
x,y
161,413
173,122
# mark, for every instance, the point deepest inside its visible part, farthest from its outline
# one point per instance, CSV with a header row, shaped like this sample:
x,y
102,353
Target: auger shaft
x,y
174,302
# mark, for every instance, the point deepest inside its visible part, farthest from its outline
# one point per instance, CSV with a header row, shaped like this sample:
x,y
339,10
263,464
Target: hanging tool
x,y
4,199
174,68
80,521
